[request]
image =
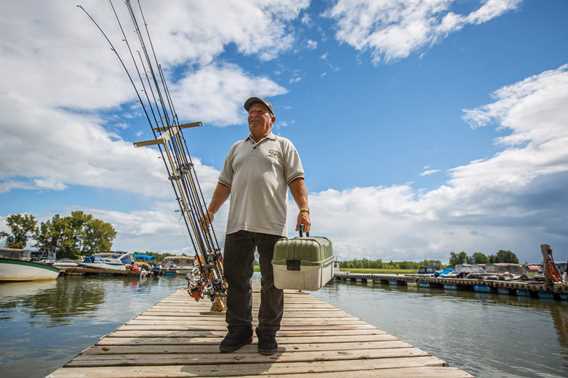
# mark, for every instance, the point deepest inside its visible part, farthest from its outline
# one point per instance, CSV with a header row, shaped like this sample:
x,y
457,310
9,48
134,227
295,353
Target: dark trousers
x,y
238,264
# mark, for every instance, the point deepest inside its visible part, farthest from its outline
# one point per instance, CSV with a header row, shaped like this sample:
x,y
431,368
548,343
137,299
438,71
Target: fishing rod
x,y
206,278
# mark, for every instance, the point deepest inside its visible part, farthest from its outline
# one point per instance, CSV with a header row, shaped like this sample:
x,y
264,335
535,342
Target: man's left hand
x,y
303,219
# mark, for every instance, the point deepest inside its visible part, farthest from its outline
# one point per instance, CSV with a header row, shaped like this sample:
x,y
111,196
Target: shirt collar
x,y
270,136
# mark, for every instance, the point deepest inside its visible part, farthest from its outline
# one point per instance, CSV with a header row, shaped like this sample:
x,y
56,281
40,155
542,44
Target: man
x,y
257,173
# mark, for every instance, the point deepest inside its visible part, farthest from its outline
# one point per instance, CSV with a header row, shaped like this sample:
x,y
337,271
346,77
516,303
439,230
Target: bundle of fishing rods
x,y
206,278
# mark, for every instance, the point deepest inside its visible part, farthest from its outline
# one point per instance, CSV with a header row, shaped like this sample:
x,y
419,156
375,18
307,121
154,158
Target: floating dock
x,y
179,337
559,291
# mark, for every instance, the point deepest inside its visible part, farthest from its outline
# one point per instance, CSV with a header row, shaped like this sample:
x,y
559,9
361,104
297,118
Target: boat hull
x,y
118,268
18,270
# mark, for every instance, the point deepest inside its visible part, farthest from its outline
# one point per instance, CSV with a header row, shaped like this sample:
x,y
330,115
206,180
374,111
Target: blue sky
x,y
423,129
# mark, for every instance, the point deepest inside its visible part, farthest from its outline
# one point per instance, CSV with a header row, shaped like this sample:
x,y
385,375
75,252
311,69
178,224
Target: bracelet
x,y
304,210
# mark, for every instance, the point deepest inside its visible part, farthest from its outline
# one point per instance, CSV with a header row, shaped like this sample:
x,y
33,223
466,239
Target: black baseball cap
x,y
254,100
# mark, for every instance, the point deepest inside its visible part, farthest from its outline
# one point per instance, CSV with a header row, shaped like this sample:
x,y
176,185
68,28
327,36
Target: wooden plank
x,y
223,327
247,369
282,333
165,340
86,360
285,322
179,337
219,319
203,314
252,348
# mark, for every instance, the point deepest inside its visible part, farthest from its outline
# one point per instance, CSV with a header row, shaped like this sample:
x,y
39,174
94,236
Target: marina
x,y
179,337
559,291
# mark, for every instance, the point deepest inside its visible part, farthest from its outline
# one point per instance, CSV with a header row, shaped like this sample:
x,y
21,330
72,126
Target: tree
x,y
479,258
458,258
56,235
97,236
505,256
22,227
75,235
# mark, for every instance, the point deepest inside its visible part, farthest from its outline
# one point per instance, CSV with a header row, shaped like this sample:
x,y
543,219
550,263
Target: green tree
x,y
458,258
97,236
56,235
479,258
505,256
75,235
22,227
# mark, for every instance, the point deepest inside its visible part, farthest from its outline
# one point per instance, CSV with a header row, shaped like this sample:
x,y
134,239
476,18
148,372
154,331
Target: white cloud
x,y
429,172
514,200
393,29
216,93
306,19
311,44
49,184
66,72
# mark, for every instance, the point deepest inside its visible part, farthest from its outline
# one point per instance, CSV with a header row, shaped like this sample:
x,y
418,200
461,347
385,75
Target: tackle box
x,y
303,263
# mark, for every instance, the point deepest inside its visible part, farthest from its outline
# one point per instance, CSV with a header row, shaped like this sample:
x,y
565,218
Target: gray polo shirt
x,y
258,175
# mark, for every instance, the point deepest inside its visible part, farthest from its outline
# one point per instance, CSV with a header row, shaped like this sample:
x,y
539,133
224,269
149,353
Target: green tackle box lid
x,y
313,250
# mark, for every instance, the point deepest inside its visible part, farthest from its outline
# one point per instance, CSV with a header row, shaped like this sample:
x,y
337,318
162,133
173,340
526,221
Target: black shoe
x,y
267,344
235,339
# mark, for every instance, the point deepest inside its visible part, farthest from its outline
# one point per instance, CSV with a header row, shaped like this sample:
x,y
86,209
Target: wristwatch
x,y
304,210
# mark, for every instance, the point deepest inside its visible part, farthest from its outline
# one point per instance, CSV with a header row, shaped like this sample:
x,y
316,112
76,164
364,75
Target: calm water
x,y
43,325
485,334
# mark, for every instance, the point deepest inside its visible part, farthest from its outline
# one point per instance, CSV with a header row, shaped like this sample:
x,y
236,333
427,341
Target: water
x,y
44,325
487,335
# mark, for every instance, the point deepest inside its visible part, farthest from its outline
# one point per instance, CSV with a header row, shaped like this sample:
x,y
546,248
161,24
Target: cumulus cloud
x,y
66,74
514,200
394,29
216,93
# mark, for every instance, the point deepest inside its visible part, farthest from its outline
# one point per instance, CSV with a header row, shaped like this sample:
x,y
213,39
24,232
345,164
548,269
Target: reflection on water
x,y
486,334
45,324
60,300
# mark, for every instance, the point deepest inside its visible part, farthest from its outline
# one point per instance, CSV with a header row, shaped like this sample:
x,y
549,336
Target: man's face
x,y
260,120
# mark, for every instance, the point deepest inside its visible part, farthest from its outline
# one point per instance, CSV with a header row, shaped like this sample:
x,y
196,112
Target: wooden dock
x,y
179,337
559,291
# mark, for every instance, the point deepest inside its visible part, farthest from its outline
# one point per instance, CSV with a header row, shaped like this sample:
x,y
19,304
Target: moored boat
x,y
15,265
108,261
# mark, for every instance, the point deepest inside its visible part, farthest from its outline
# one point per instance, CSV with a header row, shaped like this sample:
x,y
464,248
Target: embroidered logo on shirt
x,y
273,154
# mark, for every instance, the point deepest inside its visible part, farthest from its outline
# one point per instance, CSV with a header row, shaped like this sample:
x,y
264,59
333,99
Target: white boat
x,y
177,264
65,263
15,265
109,261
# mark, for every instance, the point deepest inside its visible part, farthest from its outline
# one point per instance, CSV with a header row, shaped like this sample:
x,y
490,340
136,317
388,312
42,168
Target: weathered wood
x,y
285,322
211,348
220,319
177,371
85,360
223,327
129,331
180,338
287,314
247,369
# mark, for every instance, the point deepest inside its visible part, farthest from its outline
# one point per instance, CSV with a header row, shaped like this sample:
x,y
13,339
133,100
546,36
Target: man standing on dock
x,y
257,173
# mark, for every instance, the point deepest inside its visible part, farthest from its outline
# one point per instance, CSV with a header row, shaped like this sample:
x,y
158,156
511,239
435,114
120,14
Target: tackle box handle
x,y
302,232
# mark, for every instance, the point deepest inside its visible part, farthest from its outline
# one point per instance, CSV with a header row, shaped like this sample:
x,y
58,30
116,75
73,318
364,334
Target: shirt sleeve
x,y
226,176
293,168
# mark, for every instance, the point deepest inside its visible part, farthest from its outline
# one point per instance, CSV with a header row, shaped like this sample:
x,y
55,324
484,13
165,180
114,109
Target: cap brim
x,y
254,100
